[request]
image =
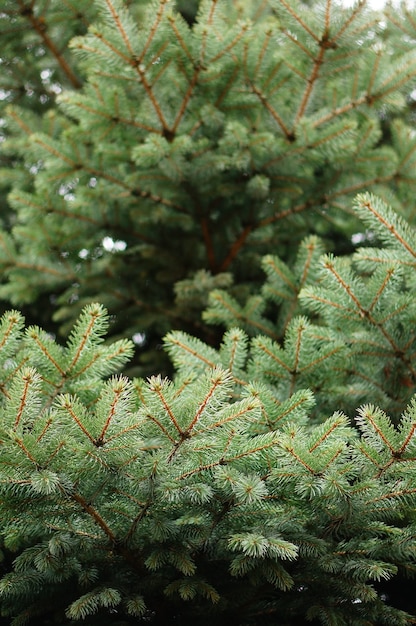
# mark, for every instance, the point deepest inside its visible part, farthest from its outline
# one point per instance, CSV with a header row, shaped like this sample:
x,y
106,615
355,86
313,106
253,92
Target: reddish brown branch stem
x,y
206,234
95,516
235,248
40,27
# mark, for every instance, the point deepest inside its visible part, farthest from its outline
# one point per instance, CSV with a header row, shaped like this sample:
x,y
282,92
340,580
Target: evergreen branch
x,y
122,433
392,495
238,316
264,101
202,468
117,393
185,101
66,404
294,454
329,265
40,28
238,244
4,391
364,184
276,85
205,34
153,30
366,413
42,269
251,451
299,334
217,380
107,115
338,132
388,224
407,346
266,42
175,449
332,459
353,372
180,39
119,25
373,256
33,333
154,59
243,411
13,319
353,104
94,358
211,14
11,375
141,71
209,466
395,85
139,517
401,25
162,427
335,305
184,385
53,454
231,45
355,12
293,13
314,362
291,408
157,388
407,440
127,59
28,378
373,75
7,248
327,18
407,156
311,247
263,347
233,352
49,147
148,89
328,433
44,430
296,70
94,313
284,277
304,49
22,446
365,314
225,91
385,467
282,215
89,509
390,272
310,83
134,191
186,347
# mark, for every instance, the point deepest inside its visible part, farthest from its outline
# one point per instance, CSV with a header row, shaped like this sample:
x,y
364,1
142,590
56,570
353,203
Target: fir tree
x,y
178,153
219,495
199,499
168,158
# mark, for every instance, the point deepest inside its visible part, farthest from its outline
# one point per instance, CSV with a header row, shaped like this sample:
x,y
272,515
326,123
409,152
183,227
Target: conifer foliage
x,y
151,160
359,334
199,499
254,161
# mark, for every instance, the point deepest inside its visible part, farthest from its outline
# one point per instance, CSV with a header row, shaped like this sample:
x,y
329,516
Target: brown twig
x,y
40,27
